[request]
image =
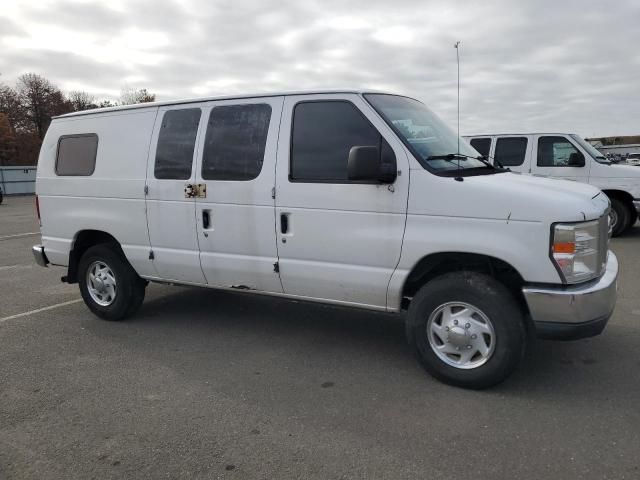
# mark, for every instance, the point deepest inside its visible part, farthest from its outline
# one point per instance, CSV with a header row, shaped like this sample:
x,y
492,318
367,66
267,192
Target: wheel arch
x,y
436,264
82,241
621,195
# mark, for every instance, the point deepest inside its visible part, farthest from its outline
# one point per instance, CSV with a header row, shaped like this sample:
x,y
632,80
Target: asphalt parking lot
x,y
204,384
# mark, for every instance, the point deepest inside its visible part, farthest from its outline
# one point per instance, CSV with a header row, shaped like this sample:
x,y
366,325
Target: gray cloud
x,y
536,65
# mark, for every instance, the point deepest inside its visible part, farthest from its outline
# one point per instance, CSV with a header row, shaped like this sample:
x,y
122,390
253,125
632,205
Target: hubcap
x,y
461,335
101,283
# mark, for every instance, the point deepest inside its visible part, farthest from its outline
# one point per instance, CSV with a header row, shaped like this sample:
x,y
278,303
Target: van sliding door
x,y
235,206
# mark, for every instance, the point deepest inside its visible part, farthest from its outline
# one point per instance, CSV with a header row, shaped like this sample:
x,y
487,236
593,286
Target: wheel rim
x,y
461,335
101,283
613,218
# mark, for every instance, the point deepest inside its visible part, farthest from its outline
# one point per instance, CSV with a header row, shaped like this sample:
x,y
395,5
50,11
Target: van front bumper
x,y
576,311
39,255
636,204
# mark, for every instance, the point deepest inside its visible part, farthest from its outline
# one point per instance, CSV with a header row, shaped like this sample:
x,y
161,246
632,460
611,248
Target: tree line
x,y
26,111
623,140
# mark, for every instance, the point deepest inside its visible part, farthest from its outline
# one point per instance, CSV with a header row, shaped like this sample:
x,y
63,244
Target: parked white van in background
x,y
569,157
352,198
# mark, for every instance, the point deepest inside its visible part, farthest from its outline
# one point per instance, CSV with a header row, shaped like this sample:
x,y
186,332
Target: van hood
x,y
509,196
624,171
617,177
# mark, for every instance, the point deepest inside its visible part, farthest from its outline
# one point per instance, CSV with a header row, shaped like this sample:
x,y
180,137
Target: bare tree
x,y
81,100
26,111
129,96
11,106
41,101
107,103
7,141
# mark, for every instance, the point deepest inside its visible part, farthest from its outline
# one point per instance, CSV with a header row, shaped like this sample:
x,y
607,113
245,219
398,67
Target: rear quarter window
x,y
482,145
76,155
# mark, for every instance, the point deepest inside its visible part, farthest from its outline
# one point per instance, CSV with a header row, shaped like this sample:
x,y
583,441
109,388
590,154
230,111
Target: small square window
x,y
76,155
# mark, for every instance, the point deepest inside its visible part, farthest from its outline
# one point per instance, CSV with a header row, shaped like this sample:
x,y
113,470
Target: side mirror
x,y
366,163
576,159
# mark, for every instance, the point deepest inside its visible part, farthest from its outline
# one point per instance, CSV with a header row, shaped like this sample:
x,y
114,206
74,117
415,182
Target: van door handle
x,y
284,223
206,219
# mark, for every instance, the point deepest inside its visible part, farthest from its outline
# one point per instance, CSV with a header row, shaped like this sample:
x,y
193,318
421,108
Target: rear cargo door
x,y
171,190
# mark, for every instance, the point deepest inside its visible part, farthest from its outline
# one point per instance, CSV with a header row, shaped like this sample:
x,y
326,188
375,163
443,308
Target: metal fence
x,y
18,180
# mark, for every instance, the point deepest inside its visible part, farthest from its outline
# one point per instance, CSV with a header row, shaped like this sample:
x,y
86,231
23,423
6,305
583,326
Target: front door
x,y
555,155
235,206
338,240
170,211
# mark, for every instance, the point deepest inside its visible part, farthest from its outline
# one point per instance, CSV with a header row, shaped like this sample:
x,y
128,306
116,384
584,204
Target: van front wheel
x,y
619,216
109,286
466,329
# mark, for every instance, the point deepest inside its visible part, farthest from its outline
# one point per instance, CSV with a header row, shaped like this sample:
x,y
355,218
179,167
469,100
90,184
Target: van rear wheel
x,y
109,286
466,329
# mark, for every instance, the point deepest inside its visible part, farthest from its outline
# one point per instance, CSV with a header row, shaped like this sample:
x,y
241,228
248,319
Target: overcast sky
x,y
525,65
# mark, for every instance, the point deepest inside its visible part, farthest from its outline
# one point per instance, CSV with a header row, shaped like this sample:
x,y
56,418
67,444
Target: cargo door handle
x,y
206,219
284,223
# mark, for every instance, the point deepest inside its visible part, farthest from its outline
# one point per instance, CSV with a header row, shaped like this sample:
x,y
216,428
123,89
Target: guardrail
x,y
18,180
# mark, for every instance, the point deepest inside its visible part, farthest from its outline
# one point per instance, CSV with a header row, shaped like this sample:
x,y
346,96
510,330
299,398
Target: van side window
x,y
235,142
554,151
323,134
510,151
76,154
482,145
176,142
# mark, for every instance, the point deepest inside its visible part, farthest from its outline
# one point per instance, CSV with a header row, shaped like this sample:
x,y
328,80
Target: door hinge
x,y
146,189
273,192
276,267
151,255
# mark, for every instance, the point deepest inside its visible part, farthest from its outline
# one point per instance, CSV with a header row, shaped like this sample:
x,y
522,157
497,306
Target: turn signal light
x,y
564,247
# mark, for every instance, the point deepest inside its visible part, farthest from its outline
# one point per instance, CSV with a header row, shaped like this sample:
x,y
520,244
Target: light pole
x,y
457,47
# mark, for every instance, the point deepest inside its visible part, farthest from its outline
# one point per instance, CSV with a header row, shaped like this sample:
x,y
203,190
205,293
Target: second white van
x,y
567,156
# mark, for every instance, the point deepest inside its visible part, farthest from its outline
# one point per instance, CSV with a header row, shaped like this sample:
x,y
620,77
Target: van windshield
x,y
433,143
591,150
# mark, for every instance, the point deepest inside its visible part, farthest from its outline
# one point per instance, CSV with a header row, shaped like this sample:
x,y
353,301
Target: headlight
x,y
576,250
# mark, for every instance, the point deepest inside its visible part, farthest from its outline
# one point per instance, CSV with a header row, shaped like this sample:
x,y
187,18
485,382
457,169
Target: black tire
x,y
622,218
129,290
1,196
490,297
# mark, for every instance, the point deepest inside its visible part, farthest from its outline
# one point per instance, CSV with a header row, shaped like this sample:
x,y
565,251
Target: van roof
x,y
209,99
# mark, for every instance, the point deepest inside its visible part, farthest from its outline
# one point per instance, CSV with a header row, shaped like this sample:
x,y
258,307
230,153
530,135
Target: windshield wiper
x,y
457,156
448,156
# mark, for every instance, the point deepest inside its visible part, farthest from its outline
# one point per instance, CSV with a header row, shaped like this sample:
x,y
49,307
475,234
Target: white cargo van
x,y
567,156
351,198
